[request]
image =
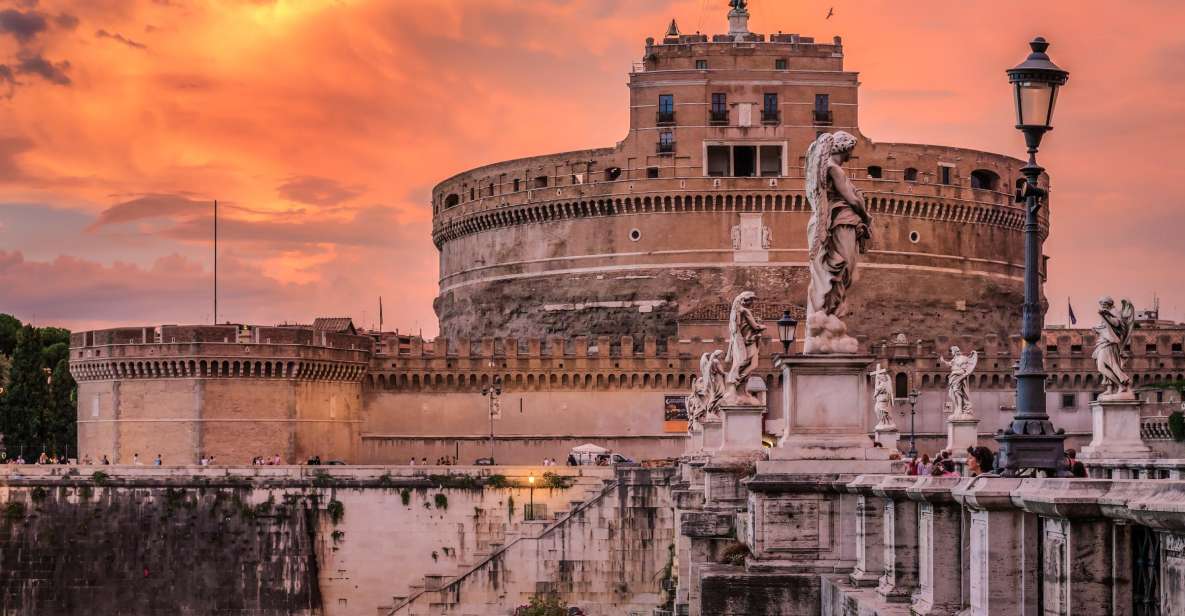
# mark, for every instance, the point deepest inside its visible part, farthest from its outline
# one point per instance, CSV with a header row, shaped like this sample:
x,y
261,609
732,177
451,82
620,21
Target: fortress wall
x,y
256,541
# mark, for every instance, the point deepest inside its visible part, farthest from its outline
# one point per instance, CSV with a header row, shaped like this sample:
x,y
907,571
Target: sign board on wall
x,y
674,413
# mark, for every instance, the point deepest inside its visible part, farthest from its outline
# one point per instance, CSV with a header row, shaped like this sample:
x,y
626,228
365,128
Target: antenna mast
x,y
216,262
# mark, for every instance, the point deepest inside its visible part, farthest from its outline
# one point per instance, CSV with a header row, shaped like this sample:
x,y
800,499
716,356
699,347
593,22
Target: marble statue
x,y
1114,332
695,404
744,335
738,5
958,396
711,379
837,234
882,395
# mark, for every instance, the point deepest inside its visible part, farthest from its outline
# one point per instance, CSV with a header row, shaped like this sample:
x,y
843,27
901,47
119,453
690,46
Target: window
x,y
874,171
719,113
758,160
1160,397
985,179
666,108
1150,348
452,200
901,386
651,172
769,109
780,64
822,109
1052,349
517,184
1177,347
701,65
541,181
911,174
1075,348
744,161
1069,401
612,173
666,142
944,175
472,194
915,237
491,189
718,158
771,161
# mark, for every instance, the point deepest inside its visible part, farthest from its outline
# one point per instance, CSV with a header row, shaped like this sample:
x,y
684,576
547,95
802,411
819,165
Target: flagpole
x,y
216,262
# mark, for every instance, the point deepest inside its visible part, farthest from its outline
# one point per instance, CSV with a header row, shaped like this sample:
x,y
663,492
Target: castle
x,y
578,290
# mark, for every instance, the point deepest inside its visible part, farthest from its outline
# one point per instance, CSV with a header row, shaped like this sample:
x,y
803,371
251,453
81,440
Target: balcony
x,y
823,117
771,116
718,117
665,118
665,149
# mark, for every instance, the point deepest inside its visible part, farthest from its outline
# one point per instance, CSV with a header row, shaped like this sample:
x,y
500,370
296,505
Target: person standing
x,y
136,459
157,461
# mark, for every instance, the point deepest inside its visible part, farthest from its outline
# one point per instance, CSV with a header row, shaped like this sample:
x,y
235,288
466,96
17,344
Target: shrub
x,y
1177,425
39,493
337,536
552,480
497,481
100,478
405,496
734,554
14,511
441,501
550,605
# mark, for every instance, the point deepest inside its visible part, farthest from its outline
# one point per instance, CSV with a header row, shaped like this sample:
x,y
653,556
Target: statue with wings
x,y
711,380
961,367
1114,332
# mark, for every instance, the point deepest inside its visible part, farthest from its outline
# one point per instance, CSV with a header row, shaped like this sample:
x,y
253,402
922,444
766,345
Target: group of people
x,y
980,460
266,461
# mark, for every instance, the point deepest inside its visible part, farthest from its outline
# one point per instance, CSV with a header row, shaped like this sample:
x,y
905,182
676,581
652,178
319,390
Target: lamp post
x,y
786,330
531,506
492,392
913,432
1030,441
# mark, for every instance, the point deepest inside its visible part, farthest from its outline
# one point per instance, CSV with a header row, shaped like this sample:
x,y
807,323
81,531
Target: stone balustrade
x,y
836,544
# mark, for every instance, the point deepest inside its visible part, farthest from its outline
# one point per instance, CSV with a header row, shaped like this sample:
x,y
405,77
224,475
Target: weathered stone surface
x,y
729,591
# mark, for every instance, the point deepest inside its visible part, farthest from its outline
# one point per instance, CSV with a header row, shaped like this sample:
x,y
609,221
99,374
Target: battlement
x,y
231,333
778,52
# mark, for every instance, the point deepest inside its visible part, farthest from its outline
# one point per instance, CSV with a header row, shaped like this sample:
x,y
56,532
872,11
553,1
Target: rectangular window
x,y
769,109
517,184
718,157
780,64
1069,401
1150,349
651,172
744,161
701,65
666,108
541,181
944,175
822,109
666,142
719,112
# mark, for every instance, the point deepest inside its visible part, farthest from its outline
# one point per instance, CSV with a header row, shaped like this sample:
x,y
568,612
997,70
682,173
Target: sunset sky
x,y
321,126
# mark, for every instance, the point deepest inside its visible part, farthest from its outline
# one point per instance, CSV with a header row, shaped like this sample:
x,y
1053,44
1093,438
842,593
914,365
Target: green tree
x,y
60,424
5,366
9,326
27,396
53,354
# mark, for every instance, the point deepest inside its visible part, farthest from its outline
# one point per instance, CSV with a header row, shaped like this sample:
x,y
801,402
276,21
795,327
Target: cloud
x,y
316,191
10,149
151,206
53,72
67,22
119,37
23,26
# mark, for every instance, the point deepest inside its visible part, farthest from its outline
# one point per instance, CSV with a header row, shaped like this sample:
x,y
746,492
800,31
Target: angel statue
x,y
1114,332
882,394
961,367
744,334
695,404
739,5
711,378
837,234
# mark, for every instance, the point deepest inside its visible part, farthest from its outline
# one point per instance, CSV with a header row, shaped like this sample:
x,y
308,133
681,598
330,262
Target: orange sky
x,y
321,126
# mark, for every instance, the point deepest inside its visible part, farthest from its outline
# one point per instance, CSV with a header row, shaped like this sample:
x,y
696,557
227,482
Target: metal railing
x,y
665,117
665,148
717,117
823,117
769,116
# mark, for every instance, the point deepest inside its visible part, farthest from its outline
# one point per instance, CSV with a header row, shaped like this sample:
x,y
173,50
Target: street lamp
x,y
531,507
786,329
913,432
1030,441
492,392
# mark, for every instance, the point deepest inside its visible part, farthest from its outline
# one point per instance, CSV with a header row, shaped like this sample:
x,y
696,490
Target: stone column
x,y
741,428
1076,542
1116,431
713,434
940,547
900,577
1003,549
870,534
888,437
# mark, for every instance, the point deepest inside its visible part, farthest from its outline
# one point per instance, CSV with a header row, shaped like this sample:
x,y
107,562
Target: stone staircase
x,y
568,553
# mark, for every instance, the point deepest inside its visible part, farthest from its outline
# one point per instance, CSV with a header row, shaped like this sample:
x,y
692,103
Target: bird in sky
x,y
830,12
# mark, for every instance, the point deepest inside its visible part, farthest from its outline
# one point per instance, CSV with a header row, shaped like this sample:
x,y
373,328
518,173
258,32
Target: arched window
x,y
985,179
901,386
452,200
911,174
874,171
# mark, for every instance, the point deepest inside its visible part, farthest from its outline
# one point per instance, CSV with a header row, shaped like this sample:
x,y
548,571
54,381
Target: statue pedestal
x,y
961,432
695,440
827,405
742,427
888,437
713,434
1116,430
738,23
